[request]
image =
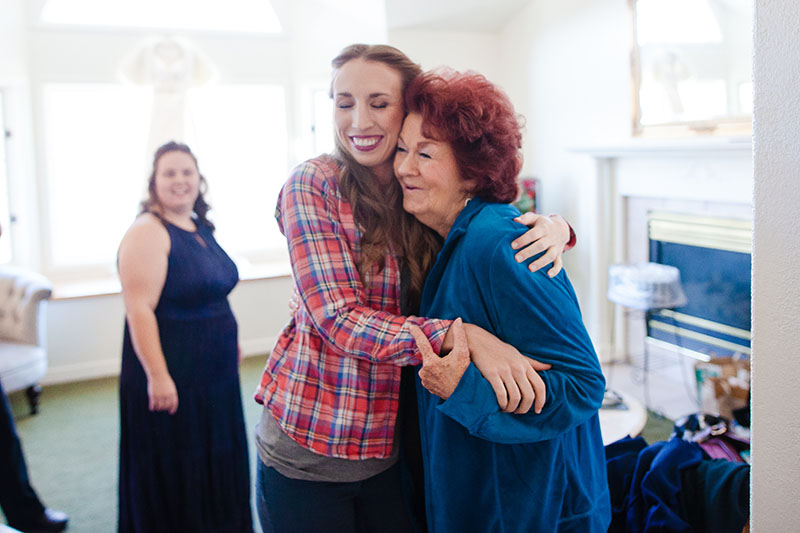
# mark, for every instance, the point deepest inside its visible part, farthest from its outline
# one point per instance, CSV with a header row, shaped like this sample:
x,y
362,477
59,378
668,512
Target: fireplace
x,y
702,177
713,255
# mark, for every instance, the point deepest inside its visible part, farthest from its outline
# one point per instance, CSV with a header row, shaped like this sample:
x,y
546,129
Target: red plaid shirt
x,y
332,380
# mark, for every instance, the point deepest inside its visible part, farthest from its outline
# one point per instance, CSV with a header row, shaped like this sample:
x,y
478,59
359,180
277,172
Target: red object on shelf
x,y
528,188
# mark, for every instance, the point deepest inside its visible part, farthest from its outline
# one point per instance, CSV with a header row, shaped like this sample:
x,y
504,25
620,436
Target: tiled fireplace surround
x,y
700,176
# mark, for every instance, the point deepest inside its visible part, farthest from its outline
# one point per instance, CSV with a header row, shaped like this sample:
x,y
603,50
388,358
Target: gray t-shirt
x,y
279,451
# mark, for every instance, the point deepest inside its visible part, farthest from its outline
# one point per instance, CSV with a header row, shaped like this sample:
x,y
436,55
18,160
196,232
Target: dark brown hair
x,y
378,208
477,120
149,204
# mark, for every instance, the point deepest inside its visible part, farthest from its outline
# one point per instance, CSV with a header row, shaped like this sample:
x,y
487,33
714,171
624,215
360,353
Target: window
x,y
95,143
97,167
238,133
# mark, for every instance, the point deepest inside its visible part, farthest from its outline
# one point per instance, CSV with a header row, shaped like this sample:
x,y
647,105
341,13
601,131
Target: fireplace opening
x,y
713,256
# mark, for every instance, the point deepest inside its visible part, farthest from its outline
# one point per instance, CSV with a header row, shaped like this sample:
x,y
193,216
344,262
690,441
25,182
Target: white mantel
x,y
646,147
710,175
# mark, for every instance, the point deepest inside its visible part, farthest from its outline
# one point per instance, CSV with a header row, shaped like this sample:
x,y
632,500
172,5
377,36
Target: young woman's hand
x,y
440,375
162,393
549,234
513,376
295,301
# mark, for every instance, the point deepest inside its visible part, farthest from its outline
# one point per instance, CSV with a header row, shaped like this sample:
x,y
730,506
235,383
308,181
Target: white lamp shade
x,y
645,286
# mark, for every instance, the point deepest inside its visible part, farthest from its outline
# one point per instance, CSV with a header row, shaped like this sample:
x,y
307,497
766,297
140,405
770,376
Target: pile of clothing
x,y
698,480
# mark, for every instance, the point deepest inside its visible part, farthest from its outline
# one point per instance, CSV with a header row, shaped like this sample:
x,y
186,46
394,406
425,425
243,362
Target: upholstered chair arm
x,y
22,294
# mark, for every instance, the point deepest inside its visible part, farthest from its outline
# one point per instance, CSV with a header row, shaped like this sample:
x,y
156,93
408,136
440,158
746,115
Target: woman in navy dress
x,y
183,448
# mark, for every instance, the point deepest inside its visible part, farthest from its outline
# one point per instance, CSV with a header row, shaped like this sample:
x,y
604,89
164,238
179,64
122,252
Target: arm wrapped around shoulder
x,y
539,316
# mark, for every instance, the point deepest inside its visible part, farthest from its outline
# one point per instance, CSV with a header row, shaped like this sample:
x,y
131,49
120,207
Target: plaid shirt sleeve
x,y
326,276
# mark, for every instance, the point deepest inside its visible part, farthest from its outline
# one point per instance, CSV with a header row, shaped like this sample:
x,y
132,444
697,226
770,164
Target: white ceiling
x,y
447,15
452,15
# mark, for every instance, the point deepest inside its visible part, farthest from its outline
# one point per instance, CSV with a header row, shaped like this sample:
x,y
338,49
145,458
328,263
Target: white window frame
x,y
6,213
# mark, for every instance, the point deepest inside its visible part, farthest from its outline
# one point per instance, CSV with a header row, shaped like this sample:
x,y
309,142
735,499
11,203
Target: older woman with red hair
x,y
457,161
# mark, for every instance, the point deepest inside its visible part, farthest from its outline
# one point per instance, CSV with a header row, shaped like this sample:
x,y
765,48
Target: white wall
x,y
566,69
776,276
459,50
12,38
84,335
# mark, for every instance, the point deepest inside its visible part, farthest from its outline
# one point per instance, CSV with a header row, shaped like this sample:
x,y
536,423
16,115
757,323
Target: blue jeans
x,y
292,505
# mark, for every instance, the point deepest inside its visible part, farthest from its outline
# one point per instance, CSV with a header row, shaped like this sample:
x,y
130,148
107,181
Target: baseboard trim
x,y
261,346
82,371
605,352
104,368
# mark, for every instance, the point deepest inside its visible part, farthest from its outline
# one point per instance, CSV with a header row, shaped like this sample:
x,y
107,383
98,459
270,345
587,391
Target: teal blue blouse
x,y
490,471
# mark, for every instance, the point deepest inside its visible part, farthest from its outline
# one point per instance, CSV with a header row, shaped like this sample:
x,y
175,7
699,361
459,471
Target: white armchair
x,y
23,355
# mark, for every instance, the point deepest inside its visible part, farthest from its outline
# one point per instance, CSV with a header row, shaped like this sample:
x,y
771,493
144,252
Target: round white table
x,y
618,422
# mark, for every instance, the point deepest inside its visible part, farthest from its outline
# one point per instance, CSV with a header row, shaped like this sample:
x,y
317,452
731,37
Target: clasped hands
x,y
513,377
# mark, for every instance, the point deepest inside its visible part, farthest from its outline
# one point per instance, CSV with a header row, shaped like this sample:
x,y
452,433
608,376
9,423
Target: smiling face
x,y
177,182
433,190
368,104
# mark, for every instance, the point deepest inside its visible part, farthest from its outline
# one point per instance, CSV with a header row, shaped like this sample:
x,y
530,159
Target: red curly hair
x,y
477,119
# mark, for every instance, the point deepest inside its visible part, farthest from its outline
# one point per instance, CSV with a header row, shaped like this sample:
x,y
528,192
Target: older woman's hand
x,y
549,234
440,375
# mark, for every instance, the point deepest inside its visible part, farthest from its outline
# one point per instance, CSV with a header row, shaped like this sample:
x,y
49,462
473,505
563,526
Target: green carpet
x,y
71,445
657,427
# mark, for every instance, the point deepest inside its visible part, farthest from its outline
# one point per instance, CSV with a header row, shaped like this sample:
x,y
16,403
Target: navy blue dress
x,y
188,471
